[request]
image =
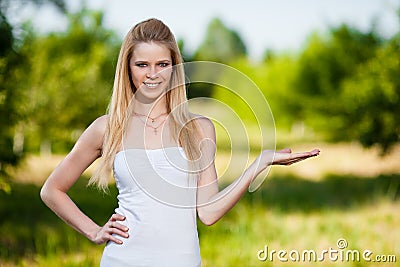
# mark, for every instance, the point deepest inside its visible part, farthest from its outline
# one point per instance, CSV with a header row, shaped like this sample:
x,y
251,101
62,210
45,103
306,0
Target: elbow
x,y
207,218
208,222
46,194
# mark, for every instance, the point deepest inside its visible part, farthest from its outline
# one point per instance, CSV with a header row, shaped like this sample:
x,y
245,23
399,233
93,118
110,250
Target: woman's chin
x,y
149,94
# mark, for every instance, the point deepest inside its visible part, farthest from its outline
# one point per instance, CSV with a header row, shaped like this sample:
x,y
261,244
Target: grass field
x,y
347,193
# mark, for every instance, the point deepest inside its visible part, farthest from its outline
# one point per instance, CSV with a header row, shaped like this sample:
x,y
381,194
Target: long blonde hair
x,y
183,126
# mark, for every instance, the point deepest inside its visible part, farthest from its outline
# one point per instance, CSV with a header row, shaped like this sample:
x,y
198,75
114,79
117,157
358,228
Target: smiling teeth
x,y
151,85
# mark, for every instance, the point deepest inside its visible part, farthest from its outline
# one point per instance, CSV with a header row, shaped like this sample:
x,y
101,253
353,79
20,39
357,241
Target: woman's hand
x,y
106,232
283,157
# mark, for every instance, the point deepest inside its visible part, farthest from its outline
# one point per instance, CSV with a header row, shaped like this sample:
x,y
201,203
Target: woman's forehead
x,y
151,50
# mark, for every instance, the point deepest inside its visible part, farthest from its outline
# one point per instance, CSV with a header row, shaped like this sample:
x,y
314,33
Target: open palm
x,y
285,156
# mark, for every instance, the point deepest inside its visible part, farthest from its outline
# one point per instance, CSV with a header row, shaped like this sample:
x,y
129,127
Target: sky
x,y
280,25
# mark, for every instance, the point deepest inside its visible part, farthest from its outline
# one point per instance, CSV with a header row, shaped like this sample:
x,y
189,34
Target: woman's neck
x,y
152,109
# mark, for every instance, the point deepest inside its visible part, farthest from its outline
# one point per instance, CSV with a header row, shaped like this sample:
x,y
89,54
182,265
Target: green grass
x,y
31,235
285,213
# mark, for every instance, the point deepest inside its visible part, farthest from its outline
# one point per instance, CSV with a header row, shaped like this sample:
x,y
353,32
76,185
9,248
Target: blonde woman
x,y
162,159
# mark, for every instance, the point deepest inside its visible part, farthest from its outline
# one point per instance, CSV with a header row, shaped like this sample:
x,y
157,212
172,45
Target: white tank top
x,y
158,199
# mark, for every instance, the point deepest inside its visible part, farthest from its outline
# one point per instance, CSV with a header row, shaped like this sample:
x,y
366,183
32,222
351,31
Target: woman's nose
x,y
151,73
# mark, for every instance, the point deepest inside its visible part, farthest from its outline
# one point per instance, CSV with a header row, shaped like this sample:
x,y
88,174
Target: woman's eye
x,y
163,65
141,65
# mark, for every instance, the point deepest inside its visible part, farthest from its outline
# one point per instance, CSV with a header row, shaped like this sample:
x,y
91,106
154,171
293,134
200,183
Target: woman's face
x,y
151,69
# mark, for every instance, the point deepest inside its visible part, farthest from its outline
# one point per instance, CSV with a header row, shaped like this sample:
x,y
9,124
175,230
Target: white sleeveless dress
x,y
158,199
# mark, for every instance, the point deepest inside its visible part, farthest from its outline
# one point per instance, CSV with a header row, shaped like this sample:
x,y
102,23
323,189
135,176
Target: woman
x,y
162,158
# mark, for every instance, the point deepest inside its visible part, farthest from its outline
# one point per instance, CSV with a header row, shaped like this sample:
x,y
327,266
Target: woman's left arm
x,y
212,204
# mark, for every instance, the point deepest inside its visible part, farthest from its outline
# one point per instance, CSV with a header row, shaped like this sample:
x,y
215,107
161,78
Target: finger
x,y
290,162
286,162
285,150
285,159
304,154
301,154
315,152
114,239
300,157
117,232
120,226
117,217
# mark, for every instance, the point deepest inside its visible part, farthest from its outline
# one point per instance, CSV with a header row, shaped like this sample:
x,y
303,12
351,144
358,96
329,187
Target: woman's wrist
x,y
91,234
257,167
264,160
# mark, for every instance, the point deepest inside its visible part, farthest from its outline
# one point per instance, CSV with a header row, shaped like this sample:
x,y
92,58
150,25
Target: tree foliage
x,y
371,99
71,75
344,84
325,63
221,44
11,63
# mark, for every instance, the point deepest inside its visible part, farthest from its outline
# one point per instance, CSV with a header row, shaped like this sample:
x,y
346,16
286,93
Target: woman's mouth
x,y
151,85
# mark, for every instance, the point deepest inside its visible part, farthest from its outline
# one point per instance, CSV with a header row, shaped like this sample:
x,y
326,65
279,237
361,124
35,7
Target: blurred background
x,y
330,71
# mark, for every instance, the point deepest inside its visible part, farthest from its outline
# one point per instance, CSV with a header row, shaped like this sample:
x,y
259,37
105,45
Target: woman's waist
x,y
157,214
164,199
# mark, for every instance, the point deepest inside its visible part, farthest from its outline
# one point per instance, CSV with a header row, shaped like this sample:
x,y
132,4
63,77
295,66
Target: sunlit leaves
x,y
70,80
372,99
221,44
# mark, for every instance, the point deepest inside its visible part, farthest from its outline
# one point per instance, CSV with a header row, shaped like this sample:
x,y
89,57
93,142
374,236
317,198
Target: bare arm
x,y
54,191
214,204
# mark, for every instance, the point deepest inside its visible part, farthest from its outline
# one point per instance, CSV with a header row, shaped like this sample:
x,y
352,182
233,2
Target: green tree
x,y
11,62
275,78
371,110
348,86
323,66
69,82
221,44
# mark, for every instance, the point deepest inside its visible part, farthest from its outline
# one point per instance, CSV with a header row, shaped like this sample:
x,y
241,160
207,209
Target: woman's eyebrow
x,y
164,60
158,61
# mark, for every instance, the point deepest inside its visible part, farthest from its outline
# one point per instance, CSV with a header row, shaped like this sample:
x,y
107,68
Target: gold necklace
x,y
155,128
152,119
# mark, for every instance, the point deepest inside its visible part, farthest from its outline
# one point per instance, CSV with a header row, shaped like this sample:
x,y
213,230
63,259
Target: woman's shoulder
x,y
91,139
205,124
98,127
101,122
200,119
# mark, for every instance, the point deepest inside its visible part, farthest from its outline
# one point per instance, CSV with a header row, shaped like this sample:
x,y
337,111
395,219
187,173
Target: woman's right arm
x,y
54,191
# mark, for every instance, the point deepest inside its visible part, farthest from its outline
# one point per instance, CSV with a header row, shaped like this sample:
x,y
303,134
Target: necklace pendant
x,y
155,131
